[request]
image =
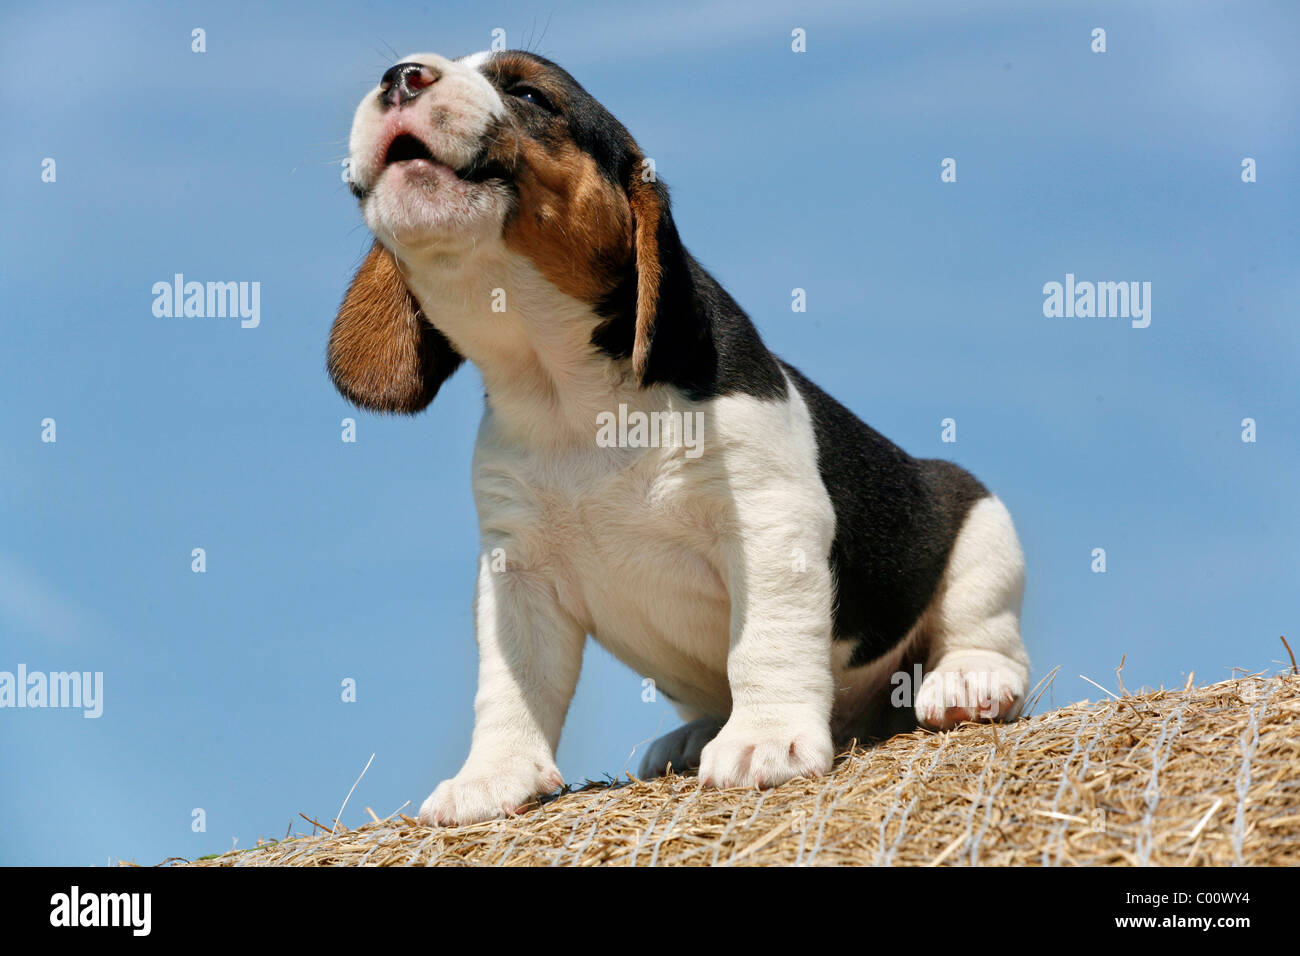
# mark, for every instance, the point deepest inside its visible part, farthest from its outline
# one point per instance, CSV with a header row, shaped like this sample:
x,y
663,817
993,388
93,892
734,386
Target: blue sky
x,y
819,170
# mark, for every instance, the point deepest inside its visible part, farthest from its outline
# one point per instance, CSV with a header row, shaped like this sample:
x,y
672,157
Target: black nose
x,y
404,82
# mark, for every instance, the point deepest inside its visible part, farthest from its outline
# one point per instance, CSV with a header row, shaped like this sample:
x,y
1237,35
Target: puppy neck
x,y
532,343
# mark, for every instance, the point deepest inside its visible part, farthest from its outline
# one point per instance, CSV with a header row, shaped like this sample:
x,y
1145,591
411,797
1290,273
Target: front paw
x,y
765,750
681,749
489,792
971,685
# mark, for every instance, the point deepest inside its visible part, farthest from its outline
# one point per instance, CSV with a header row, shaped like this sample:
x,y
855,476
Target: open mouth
x,y
405,147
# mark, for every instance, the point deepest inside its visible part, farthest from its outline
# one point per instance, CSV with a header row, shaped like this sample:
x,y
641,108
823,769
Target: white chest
x,y
630,541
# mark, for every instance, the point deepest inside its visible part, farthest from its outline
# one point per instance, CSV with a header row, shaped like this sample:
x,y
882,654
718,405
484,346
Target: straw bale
x,y
1199,776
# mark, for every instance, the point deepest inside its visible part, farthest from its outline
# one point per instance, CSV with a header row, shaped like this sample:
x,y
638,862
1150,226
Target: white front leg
x,y
779,660
530,653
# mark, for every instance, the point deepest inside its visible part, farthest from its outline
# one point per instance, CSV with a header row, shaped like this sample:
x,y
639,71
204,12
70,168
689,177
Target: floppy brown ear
x,y
647,212
670,341
383,354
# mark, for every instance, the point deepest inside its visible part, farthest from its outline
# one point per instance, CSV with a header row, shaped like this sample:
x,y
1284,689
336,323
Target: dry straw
x,y
1200,776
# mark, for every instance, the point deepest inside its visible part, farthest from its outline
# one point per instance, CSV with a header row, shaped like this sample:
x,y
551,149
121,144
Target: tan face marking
x,y
573,224
570,220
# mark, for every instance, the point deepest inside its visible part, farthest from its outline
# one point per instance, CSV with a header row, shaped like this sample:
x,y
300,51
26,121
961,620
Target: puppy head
x,y
497,148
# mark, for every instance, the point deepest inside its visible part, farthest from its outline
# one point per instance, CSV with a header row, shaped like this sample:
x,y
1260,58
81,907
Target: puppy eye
x,y
530,94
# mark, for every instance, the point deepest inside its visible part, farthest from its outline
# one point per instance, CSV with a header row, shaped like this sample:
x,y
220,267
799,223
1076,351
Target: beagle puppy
x,y
646,472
